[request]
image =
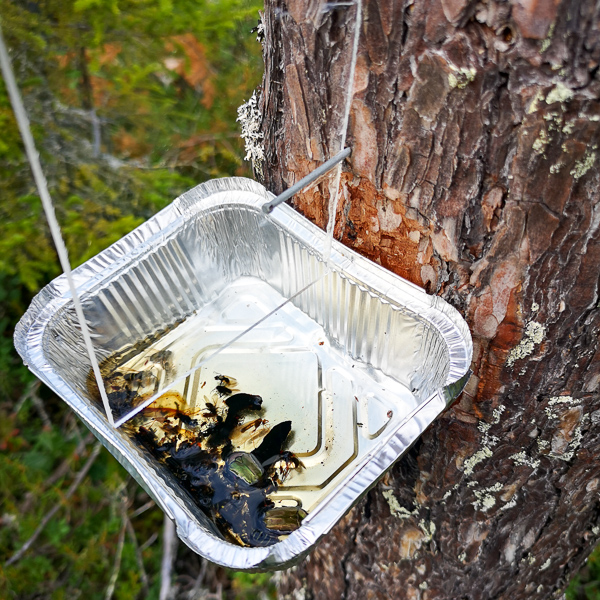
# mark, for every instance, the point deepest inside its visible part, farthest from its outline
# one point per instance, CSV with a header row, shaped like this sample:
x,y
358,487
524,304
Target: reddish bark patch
x,y
534,17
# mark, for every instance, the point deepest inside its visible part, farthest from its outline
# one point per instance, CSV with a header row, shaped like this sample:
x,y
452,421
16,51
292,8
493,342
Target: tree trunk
x,y
474,131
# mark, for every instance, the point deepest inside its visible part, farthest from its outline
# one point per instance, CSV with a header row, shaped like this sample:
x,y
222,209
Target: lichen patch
x,y
539,145
556,400
534,335
428,529
522,459
461,76
535,103
397,511
485,499
545,565
559,93
478,457
583,166
249,118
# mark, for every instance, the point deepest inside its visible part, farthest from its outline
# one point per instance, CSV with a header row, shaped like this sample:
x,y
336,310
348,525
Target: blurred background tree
x,y
131,103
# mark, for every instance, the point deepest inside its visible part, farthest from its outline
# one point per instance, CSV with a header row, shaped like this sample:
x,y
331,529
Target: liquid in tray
x,y
261,431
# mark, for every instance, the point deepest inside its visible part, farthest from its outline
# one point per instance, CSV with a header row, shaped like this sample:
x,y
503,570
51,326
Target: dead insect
x,y
171,405
225,380
282,467
269,451
212,412
253,424
226,385
185,416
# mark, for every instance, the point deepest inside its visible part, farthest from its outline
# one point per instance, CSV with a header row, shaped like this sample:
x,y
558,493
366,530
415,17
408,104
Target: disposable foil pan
x,y
363,360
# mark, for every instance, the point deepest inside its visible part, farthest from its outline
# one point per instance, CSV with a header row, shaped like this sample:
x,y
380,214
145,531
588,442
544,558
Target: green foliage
x,y
131,103
586,584
253,586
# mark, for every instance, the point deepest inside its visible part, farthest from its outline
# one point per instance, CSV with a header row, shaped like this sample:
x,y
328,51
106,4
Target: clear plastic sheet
x,y
362,359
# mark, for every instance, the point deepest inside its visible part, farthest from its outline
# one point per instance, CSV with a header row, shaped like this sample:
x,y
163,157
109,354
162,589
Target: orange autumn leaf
x,y
127,145
195,68
109,53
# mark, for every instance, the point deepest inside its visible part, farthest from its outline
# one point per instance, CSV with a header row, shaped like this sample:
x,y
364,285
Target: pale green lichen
x,y
545,565
461,77
535,307
554,169
539,145
574,444
554,400
542,444
449,492
568,128
522,459
559,93
488,440
397,511
428,530
595,530
497,414
576,436
478,457
548,40
528,558
250,118
462,557
534,334
584,165
484,498
534,103
423,586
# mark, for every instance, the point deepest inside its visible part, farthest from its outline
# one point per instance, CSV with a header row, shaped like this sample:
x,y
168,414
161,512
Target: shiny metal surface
x,y
370,354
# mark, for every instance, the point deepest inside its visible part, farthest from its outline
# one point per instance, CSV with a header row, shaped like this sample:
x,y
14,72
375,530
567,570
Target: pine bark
x,y
474,130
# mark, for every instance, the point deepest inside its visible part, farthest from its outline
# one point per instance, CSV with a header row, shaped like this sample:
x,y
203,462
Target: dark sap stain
x,y
231,487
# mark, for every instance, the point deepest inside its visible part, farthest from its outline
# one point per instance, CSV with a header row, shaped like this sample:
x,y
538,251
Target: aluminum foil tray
x,y
361,362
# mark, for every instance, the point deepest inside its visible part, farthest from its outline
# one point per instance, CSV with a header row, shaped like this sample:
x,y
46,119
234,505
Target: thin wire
x,y
334,198
183,377
268,207
42,186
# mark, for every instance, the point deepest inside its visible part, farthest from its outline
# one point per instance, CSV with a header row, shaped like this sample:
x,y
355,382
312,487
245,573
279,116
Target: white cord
x,y
42,186
334,189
